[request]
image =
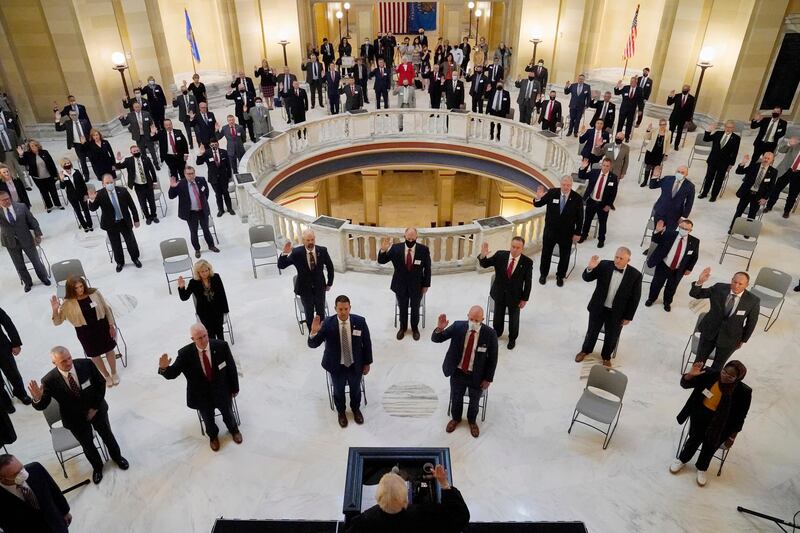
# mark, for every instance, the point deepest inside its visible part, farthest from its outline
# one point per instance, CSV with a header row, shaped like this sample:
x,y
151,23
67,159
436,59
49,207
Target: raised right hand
x,y
181,282
385,243
173,181
704,275
540,192
316,325
442,322
745,159
20,151
593,262
697,369
119,156
485,249
36,390
287,247
164,361
584,163
672,93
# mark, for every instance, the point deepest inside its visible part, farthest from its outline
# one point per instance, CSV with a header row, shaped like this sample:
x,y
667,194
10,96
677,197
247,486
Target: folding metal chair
x,y
175,259
744,237
211,228
771,286
647,272
62,270
232,192
573,256
490,306
422,311
720,454
263,245
481,403
161,200
329,382
690,350
700,150
110,251
235,409
649,228
299,310
43,258
63,439
599,408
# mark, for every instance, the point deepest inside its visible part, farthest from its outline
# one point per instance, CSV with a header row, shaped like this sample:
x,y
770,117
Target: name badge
x,y
740,313
481,349
690,252
356,333
610,184
766,180
707,393
556,201
417,261
222,365
92,305
86,384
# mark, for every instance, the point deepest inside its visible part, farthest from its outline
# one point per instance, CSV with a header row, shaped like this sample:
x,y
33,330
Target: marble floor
x,y
523,467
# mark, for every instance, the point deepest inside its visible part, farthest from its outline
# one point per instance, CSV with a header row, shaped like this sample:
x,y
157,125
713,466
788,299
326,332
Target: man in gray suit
x,y
259,114
618,153
406,98
186,104
234,135
142,129
789,174
529,92
16,225
731,319
8,148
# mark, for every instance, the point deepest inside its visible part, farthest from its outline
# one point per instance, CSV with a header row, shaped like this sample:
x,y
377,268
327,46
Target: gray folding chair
x,y
481,403
599,408
110,251
573,256
490,306
175,258
43,258
300,311
263,246
235,409
771,286
161,201
649,228
721,453
422,311
62,270
690,350
700,150
63,439
232,192
211,228
743,237
647,272
227,325
329,382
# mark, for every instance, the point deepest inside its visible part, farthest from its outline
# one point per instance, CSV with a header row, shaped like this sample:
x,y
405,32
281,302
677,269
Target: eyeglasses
x,y
729,375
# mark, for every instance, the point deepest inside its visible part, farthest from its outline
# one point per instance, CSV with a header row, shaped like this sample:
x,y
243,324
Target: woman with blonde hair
x,y
13,186
211,303
100,155
657,149
87,310
42,169
268,82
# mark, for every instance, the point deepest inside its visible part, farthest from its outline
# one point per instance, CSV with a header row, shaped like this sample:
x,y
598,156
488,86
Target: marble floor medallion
x,y
410,400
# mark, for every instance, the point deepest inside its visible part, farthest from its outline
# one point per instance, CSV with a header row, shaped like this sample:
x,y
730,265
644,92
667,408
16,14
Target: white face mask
x,y
21,477
683,232
259,104
473,325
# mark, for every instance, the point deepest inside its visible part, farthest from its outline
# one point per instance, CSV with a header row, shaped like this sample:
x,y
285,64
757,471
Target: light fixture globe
x,y
339,15
118,58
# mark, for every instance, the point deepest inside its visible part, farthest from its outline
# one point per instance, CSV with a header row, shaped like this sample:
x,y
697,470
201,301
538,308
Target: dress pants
x,y
676,128
175,164
715,175
384,94
750,202
363,85
593,208
503,304
549,125
436,100
214,328
612,328
315,88
333,103
150,146
549,242
19,264
404,299
346,376
83,434
526,110
313,304
226,409
47,188
491,130
81,208
223,196
9,367
118,231
477,103
82,153
788,178
158,116
699,421
187,126
664,275
199,218
575,116
708,344
147,200
761,147
460,383
627,114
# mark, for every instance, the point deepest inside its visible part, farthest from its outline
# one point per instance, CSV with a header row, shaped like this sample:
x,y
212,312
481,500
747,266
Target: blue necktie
x,y
115,203
11,218
561,203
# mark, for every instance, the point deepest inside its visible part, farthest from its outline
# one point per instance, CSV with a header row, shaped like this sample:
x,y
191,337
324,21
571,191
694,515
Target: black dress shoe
x,y
27,288
119,268
137,263
122,463
358,418
648,303
10,408
600,244
214,249
542,280
155,219
26,400
712,199
97,476
231,212
401,333
667,308
220,213
46,282
415,334
702,196
560,282
511,344
197,253
342,420
582,239
797,289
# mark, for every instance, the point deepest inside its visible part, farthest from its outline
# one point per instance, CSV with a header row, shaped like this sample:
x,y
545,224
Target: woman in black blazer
x,y
71,180
6,178
43,171
100,155
211,304
716,410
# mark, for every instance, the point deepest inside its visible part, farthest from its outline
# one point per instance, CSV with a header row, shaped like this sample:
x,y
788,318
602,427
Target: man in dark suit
x,y
80,391
593,141
529,93
242,103
540,72
629,105
454,93
361,75
192,194
411,279
142,179
204,124
550,112
73,105
383,80
770,131
347,356
436,88
682,112
511,288
674,257
478,85
297,104
219,175
246,82
234,135
470,363
353,97
333,80
186,104
367,51
495,73
19,232
724,148
9,140
788,173
466,50
118,217
315,72
157,100
327,51
601,191
646,83
138,98
173,148
604,110
211,381
498,105
142,129
10,347
676,199
759,178
579,99
614,301
731,320
563,222
31,500
309,261
77,132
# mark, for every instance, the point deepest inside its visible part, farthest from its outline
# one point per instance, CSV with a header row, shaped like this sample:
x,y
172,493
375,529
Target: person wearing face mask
x,y
613,303
246,82
716,411
731,320
406,98
219,175
604,110
243,102
30,499
142,179
682,112
156,100
478,85
724,149
77,133
142,128
529,93
118,217
454,92
71,180
259,115
789,172
498,105
539,71
656,150
470,363
353,96
137,98
673,258
550,112
618,153
186,104
676,199
73,105
770,130
759,179
411,279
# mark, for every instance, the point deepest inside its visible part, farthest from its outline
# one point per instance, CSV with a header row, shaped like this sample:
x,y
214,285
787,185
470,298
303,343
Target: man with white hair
x,y
211,380
310,283
80,391
562,226
724,149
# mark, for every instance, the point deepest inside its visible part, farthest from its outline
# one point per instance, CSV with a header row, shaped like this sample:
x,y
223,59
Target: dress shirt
x,y
139,120
770,134
7,210
529,89
547,114
496,103
413,252
736,298
598,137
170,134
200,351
349,333
725,138
77,132
313,252
195,205
613,285
474,348
599,187
604,111
14,489
516,262
616,150
12,190
66,375
671,255
676,185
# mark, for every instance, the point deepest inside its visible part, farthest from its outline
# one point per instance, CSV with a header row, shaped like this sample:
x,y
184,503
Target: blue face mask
x,y
109,187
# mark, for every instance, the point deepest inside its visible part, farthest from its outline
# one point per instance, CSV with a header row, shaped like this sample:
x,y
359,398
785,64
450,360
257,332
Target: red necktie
x,y
209,371
796,163
683,101
598,191
172,143
409,260
510,268
468,352
216,157
197,196
73,385
677,257
631,92
233,132
549,110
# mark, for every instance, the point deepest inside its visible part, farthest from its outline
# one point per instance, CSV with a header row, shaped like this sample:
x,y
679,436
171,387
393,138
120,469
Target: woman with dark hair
x,y
71,180
42,169
716,410
211,303
87,310
447,67
100,155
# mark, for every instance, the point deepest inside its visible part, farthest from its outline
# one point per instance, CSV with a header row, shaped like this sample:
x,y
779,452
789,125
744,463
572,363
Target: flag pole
x,y
624,70
193,42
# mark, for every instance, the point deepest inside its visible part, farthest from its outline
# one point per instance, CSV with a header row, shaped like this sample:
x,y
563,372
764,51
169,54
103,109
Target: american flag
x,y
630,48
394,17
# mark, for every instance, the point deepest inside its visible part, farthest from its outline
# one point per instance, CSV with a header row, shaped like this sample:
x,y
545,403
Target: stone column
x,y
445,190
370,180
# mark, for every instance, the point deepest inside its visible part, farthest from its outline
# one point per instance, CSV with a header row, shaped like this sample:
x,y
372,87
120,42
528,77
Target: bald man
x,y
470,363
310,285
724,149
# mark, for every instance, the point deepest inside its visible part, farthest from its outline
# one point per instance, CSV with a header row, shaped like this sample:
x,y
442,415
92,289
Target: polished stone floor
x,y
523,467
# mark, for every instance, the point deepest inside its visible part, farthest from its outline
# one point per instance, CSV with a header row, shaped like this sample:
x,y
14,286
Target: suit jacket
x,y
513,290
403,280
22,194
155,97
619,162
763,124
485,362
182,192
611,113
249,88
729,330
670,208
523,89
75,185
128,103
133,125
184,108
540,73
478,84
664,241
454,94
367,50
82,114
609,191
333,84
788,159
587,142
360,74
626,300
129,164
494,73
66,125
298,105
107,216
505,104
308,282
382,78
18,235
9,337
28,159
412,96
19,517
308,67
361,348
740,401
181,144
283,88
556,115
200,392
240,100
262,124
626,102
578,101
327,52
220,174
561,225
681,112
750,174
647,86
74,410
235,143
204,130
353,97
722,156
